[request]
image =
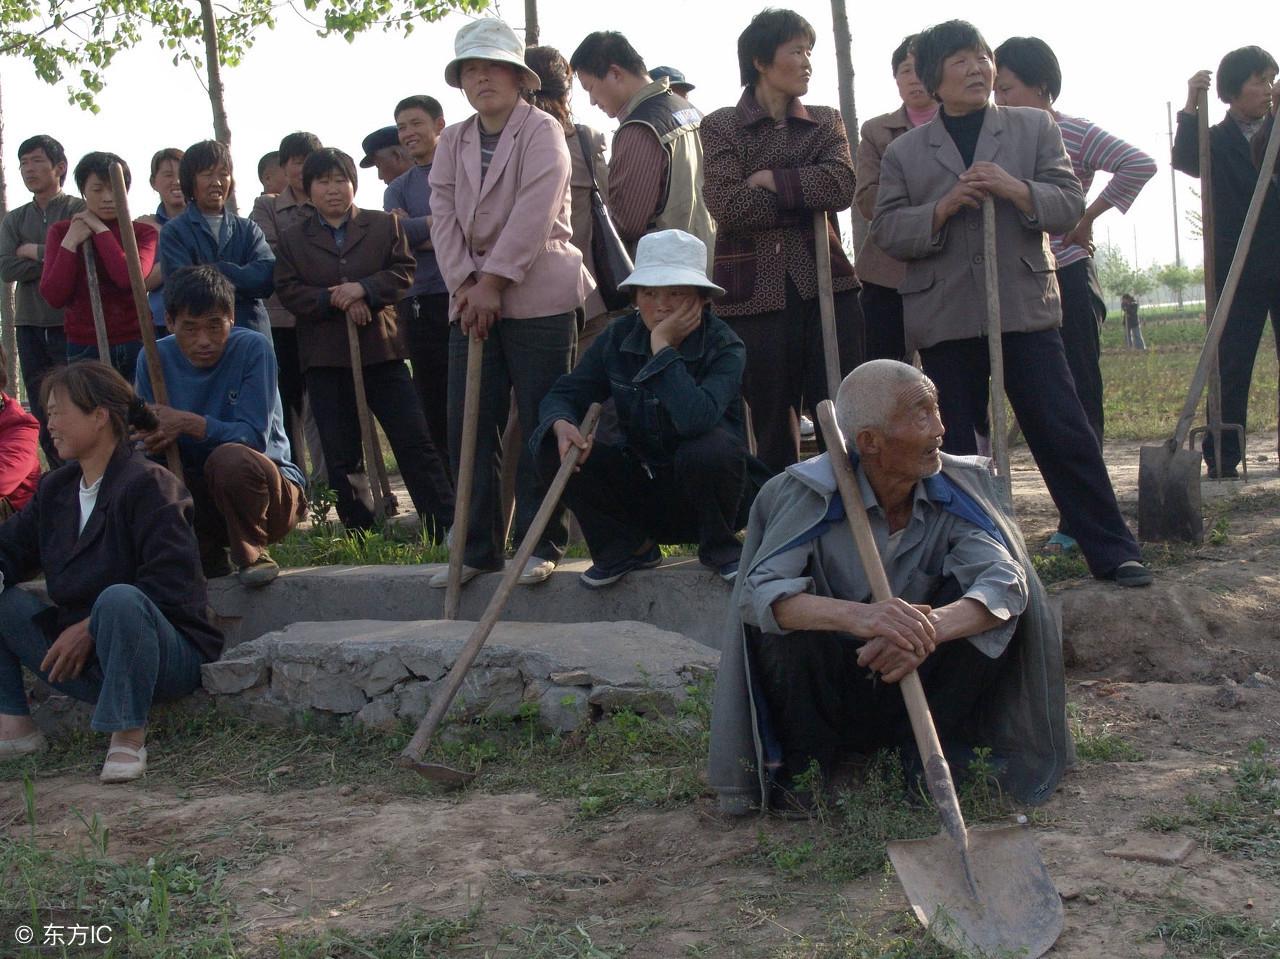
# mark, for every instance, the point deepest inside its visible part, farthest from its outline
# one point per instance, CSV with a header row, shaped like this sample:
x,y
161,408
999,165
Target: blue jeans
x,y
124,356
138,658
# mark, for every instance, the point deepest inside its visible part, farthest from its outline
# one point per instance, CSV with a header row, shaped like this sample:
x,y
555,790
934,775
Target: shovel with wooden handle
x,y
1168,475
368,437
412,755
466,476
995,355
984,891
146,328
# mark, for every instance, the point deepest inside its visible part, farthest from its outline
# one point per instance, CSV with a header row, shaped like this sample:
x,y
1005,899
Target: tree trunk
x,y
530,23
213,66
844,77
8,336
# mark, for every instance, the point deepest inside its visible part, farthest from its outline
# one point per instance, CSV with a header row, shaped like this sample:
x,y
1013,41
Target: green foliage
x,y
78,41
1196,935
1177,277
1242,821
1096,743
1117,275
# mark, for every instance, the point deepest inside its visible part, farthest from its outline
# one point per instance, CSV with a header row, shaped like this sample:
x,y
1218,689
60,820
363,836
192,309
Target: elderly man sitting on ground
x,y
225,415
810,666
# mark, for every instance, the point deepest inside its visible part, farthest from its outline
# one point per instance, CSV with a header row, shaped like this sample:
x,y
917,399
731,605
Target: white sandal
x,y
115,772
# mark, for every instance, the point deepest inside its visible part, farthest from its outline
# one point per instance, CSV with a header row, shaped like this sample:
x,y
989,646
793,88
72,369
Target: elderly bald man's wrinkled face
x,y
913,439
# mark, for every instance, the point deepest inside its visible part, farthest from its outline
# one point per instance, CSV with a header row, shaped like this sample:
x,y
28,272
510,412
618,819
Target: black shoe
x,y
1132,573
598,576
1226,472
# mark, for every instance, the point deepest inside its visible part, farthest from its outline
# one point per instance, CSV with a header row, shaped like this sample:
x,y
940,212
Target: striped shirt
x,y
1091,149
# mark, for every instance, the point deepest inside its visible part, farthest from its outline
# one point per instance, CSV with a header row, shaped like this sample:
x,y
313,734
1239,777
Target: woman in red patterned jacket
x,y
19,451
769,163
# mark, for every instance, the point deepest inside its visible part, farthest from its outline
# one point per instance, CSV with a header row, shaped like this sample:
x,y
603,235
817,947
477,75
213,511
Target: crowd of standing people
x,y
493,237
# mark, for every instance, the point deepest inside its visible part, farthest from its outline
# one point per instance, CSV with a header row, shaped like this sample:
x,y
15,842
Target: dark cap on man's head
x,y
378,140
678,82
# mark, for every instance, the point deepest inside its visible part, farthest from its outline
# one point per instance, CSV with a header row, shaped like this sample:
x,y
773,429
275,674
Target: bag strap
x,y
585,145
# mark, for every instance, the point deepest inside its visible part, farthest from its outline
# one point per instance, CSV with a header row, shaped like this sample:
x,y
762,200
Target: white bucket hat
x,y
671,258
489,39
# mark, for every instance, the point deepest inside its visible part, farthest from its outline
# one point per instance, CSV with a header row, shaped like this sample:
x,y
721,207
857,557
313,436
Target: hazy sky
x,y
1120,65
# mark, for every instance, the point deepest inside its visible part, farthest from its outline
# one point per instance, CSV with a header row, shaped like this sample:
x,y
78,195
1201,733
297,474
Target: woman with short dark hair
x,y
207,232
126,623
770,162
933,184
347,265
586,156
1246,84
878,272
1028,75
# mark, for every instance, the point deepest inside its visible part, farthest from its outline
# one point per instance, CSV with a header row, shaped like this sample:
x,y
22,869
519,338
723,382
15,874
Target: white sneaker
x,y
806,427
23,745
536,571
440,580
118,772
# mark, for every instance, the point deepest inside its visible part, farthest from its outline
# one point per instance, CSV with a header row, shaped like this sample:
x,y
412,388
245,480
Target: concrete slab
x,y
682,597
1159,850
381,672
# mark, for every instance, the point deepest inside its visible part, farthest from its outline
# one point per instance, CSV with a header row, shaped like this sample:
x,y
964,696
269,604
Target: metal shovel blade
x,y
1169,494
439,773
1016,914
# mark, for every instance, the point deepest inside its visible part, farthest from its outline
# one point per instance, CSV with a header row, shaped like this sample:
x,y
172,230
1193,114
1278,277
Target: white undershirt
x,y
88,500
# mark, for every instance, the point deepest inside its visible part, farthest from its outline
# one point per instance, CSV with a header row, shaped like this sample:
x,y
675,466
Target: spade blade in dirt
x,y
1169,494
1017,911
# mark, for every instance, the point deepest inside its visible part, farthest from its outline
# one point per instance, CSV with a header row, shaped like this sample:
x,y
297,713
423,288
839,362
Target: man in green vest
x,y
655,165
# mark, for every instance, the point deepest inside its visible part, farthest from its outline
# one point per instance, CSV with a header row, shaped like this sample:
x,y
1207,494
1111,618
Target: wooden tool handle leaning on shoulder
x,y
145,325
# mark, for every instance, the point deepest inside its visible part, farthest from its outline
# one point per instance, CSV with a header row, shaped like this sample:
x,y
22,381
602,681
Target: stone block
x,y
1160,850
380,713
234,675
642,700
415,700
562,709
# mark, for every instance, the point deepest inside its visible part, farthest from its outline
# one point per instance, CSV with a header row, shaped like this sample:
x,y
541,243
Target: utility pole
x,y
1173,182
531,30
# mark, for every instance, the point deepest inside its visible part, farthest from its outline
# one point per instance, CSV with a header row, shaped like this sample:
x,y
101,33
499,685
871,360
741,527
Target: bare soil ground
x,y
524,875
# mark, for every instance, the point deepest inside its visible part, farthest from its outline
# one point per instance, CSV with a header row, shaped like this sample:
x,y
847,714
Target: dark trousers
x,y
242,503
786,370
822,706
41,349
882,314
392,401
527,356
424,324
291,386
1065,449
1236,353
1083,313
122,356
700,497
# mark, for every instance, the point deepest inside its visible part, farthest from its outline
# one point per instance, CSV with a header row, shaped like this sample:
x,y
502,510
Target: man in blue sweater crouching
x,y
225,415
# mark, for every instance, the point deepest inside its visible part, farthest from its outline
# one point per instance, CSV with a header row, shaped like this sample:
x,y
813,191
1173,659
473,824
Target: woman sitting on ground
x,y
19,451
111,532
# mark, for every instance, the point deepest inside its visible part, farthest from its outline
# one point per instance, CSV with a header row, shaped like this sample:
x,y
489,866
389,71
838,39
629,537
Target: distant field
x,y
1143,392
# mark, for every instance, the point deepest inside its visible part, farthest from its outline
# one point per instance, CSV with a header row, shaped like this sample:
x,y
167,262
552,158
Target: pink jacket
x,y
515,224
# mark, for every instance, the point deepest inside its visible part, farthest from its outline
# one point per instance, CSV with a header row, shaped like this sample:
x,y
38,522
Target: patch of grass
x,y
1196,935
847,835
1241,821
168,905
419,937
1143,390
1162,822
1096,743
899,937
550,940
1057,567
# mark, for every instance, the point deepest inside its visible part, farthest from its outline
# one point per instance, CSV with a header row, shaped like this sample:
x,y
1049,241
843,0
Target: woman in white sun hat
x,y
682,472
500,227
